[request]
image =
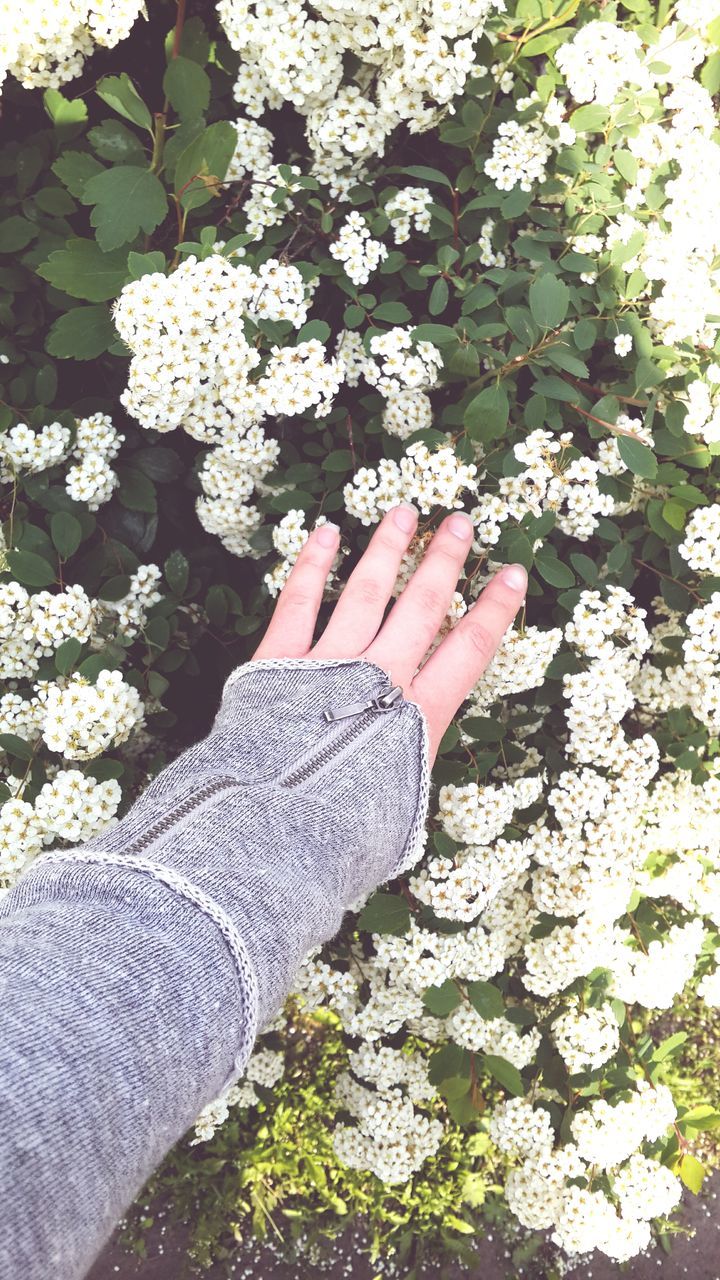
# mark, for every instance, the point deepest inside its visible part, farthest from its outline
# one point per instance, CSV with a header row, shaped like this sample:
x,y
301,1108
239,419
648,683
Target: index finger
x,y
457,664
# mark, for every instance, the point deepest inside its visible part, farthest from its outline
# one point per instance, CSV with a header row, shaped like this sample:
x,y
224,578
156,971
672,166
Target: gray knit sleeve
x,y
138,968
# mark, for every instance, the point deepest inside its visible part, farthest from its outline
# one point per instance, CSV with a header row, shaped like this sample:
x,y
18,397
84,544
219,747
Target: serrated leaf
x,y
114,141
443,999
120,93
203,165
82,270
187,88
81,334
63,111
127,200
74,169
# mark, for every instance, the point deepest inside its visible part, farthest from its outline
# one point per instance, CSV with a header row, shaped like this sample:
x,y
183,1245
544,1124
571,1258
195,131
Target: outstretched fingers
x,y
445,681
292,626
359,612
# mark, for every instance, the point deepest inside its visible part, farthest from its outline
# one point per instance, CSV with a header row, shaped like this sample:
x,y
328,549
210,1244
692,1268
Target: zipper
x,y
203,793
365,713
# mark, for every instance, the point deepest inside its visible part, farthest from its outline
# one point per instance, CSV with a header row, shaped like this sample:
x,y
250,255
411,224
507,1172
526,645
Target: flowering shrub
x,y
222,329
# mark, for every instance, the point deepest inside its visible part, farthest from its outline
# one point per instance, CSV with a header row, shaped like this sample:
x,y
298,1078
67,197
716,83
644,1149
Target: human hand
x,y
398,644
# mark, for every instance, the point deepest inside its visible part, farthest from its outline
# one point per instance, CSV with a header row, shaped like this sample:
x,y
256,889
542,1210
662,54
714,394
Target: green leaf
x,y
177,572
82,270
505,1073
637,457
66,533
549,299
15,746
443,999
385,913
67,654
669,1046
127,200
486,416
15,234
553,570
590,119
427,174
338,460
143,264
691,1173
74,169
437,333
626,165
486,999
203,165
62,111
120,93
392,312
439,297
30,569
81,334
187,87
136,491
114,142
318,330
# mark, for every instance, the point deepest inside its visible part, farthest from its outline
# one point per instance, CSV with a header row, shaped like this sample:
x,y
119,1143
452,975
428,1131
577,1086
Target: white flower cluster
x,y
70,807
552,1186
46,45
391,1137
408,211
703,406
586,1038
701,543
412,61
430,479
265,1067
32,626
81,720
600,60
355,248
192,367
191,361
521,151
92,480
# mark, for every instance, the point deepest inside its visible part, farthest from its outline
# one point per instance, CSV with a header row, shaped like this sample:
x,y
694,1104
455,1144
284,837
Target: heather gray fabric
x,y
137,969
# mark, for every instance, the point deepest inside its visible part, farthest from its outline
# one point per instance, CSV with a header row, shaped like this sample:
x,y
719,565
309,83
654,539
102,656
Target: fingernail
x,y
461,525
327,534
405,517
515,576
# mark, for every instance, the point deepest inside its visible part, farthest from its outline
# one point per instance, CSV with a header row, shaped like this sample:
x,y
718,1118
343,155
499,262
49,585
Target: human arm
x,y
138,968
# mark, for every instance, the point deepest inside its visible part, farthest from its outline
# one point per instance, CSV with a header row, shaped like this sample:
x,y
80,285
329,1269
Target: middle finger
x,y
416,617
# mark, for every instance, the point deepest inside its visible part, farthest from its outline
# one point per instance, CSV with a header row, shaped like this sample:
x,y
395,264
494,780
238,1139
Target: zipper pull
x,y
384,702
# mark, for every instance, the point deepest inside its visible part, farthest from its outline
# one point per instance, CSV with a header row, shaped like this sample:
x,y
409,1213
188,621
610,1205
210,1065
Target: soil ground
x,y
696,1256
